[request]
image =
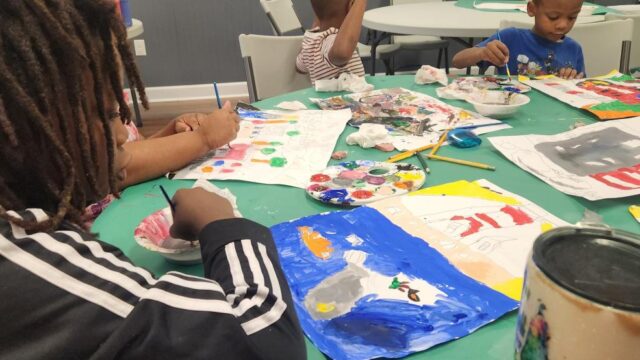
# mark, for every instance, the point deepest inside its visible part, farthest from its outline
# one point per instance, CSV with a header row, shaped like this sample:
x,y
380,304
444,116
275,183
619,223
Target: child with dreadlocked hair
x,y
64,293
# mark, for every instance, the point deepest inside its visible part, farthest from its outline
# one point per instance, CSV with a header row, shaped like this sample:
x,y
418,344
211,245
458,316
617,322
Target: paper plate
x,y
153,234
360,182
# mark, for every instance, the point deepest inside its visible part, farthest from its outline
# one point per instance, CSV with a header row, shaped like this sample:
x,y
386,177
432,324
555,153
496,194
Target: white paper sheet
x,y
598,161
274,148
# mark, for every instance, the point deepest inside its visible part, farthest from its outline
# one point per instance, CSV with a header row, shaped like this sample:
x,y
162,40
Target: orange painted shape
x,y
207,169
316,243
260,161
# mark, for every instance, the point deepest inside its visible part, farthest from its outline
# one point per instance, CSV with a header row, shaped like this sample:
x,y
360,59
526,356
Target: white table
x,y
136,29
443,19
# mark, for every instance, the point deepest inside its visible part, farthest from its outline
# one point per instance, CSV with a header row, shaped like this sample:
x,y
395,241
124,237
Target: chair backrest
x,y
282,16
270,65
601,42
635,47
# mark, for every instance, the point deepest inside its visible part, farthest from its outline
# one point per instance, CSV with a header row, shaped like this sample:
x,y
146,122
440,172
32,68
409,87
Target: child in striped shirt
x,y
329,48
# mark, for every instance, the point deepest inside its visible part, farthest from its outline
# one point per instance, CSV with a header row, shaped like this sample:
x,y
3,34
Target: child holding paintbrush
x,y
543,50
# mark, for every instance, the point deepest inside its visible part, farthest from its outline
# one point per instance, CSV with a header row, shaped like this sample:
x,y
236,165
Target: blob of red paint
x,y
227,171
361,194
320,178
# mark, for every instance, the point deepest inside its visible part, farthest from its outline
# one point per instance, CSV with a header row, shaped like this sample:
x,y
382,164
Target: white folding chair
x,y
270,65
282,16
634,59
421,42
283,19
605,44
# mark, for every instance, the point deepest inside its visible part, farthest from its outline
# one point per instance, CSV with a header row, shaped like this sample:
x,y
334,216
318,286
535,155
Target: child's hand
x,y
194,209
188,122
220,127
569,73
496,52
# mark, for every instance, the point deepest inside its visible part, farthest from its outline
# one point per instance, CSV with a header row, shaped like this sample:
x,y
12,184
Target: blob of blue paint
x,y
218,163
463,138
512,89
336,196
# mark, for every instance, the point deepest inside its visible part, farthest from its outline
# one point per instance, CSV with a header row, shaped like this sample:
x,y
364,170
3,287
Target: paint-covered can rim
x,y
602,265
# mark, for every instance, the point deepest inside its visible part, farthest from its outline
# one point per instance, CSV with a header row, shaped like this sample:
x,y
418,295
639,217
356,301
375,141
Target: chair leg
x,y
439,58
387,66
446,60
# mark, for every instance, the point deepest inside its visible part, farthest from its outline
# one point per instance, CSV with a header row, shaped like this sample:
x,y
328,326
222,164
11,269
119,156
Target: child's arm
x,y
154,157
348,35
183,123
495,52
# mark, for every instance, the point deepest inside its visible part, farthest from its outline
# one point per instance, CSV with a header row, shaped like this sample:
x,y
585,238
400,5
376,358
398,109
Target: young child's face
x,y
554,18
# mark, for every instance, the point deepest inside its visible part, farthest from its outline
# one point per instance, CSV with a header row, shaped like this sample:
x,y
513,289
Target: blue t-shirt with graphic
x,y
533,55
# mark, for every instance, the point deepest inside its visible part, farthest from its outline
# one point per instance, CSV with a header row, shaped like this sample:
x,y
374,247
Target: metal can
x,y
581,296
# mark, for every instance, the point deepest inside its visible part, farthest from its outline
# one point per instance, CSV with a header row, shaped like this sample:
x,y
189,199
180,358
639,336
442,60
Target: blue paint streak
x,y
383,327
218,163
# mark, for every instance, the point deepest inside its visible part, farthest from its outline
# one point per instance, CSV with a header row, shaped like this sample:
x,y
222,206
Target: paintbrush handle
x,y
462,162
423,163
409,153
440,142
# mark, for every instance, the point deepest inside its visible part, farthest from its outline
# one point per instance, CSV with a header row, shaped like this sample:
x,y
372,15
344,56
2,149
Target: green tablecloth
x,y
468,4
269,204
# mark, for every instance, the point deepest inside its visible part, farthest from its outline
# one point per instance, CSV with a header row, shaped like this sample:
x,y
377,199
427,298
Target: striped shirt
x,y
314,57
68,295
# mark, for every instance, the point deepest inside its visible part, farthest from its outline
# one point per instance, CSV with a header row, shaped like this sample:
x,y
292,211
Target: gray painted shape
x,y
592,153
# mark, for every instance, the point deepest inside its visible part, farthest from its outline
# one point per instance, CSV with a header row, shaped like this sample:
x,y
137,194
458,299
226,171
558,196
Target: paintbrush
x,y
166,197
507,65
215,89
409,153
440,142
423,163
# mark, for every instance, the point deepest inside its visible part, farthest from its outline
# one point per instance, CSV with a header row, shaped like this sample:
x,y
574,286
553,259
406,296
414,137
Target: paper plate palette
x,y
360,182
153,234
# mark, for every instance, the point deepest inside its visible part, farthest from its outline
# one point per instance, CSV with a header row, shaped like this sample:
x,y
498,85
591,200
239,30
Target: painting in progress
x,y
273,148
614,96
363,181
363,288
412,119
460,88
598,161
483,230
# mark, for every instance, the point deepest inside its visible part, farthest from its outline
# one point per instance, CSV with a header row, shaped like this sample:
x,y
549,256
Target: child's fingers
x,y
580,76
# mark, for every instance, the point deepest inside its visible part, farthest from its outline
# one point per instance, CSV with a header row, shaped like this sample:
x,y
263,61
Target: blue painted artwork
x,y
364,288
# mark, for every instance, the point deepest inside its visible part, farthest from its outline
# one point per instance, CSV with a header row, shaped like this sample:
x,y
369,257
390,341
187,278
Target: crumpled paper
x,y
369,135
429,75
344,82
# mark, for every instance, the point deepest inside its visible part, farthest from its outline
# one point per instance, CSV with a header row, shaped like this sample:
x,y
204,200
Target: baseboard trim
x,y
196,92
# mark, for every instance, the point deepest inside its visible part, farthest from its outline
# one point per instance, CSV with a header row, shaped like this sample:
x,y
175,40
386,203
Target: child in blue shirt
x,y
543,50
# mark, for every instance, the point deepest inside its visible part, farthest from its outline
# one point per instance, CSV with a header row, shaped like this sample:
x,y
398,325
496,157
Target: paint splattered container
x,y
581,297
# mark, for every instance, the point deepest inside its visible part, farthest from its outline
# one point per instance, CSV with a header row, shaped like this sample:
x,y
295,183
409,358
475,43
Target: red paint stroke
x,y
227,171
519,217
552,84
238,152
621,175
236,164
362,194
574,92
320,178
474,225
488,219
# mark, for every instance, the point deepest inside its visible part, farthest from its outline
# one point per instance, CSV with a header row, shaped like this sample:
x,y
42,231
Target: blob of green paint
x,y
276,143
268,151
359,184
293,122
293,133
278,162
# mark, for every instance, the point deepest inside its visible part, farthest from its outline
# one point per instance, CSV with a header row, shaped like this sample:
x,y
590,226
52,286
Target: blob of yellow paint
x,y
546,227
207,169
325,308
410,176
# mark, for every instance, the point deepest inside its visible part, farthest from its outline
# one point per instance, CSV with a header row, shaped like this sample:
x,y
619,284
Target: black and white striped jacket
x,y
67,295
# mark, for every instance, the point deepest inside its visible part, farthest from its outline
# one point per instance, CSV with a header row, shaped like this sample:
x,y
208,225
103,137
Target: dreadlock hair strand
x,y
48,153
